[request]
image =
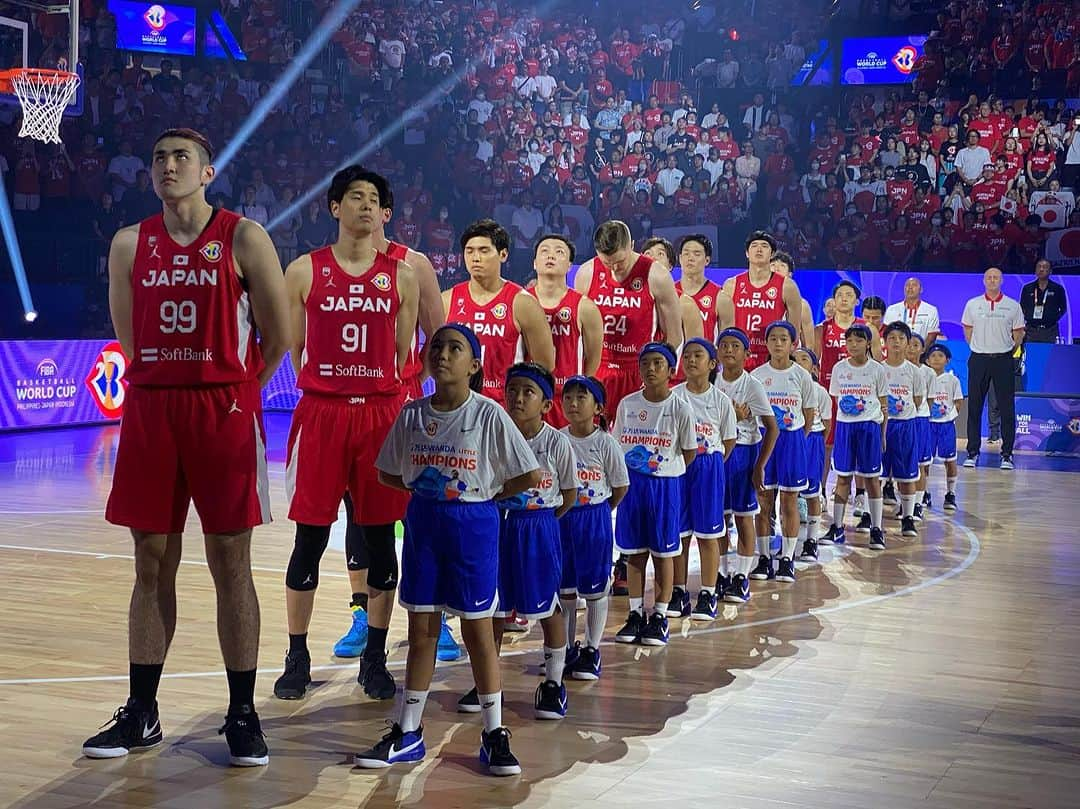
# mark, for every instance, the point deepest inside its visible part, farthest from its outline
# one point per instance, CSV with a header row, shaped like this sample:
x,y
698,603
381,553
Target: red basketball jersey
x,y
833,348
414,363
566,334
349,341
493,323
755,309
628,311
191,317
705,299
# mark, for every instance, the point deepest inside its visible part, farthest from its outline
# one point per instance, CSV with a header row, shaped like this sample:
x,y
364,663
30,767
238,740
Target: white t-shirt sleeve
x,y
958,392
918,387
615,464
1018,321
685,429
392,452
824,404
516,457
806,390
728,420
881,383
758,399
968,318
565,464
933,321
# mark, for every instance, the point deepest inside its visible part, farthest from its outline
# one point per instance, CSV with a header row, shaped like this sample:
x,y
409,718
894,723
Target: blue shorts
x,y
703,498
786,467
648,517
943,440
922,435
740,497
901,461
587,550
450,558
530,564
815,462
857,449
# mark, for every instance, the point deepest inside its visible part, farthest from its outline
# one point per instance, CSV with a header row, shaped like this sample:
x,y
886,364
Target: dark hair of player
x,y
875,303
339,186
660,241
206,149
785,259
487,228
612,236
701,239
900,326
760,236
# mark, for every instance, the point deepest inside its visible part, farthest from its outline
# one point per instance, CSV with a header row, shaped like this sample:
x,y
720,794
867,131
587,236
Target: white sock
x,y
803,531
763,546
725,568
569,614
637,604
554,663
838,509
877,505
787,547
491,710
907,505
950,485
746,564
812,527
660,607
709,590
595,619
412,709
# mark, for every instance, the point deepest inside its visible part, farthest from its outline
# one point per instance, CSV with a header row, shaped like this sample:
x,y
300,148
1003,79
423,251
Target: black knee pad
x,y
382,555
356,552
303,570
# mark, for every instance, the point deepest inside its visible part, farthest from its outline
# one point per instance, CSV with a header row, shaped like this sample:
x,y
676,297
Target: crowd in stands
x,y
563,115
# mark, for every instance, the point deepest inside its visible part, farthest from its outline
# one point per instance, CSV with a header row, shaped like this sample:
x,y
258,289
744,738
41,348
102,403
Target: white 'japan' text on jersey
x,y
600,466
748,391
858,390
465,454
654,435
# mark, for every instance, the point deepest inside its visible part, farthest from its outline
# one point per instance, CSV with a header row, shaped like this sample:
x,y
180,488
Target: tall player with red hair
x,y
189,288
761,296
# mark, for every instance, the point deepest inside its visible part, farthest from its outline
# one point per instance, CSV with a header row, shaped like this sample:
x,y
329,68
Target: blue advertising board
x,y
169,28
825,71
880,60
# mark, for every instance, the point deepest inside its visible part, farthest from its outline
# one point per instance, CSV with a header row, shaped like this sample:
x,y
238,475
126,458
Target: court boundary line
x,y
974,550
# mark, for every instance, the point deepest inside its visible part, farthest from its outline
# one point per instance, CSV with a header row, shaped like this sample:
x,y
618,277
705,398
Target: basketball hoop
x,y
43,95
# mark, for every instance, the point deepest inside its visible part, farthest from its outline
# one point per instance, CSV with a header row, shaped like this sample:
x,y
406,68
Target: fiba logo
x,y
1074,426
706,301
155,17
211,251
904,60
106,381
636,285
771,292
381,282
47,368
563,314
499,311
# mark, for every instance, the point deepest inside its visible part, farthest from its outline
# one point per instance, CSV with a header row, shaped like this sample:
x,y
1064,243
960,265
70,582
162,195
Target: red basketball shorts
x,y
333,444
413,389
619,381
179,445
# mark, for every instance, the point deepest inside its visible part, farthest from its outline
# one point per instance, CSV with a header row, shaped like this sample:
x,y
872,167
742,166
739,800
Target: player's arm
x,y
529,316
121,259
807,333
793,302
519,484
393,481
259,265
725,308
692,324
569,497
819,339
668,310
592,336
409,293
298,286
432,304
583,278
729,445
445,303
877,351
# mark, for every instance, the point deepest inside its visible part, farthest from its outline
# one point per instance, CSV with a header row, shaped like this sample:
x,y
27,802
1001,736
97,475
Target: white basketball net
x,y
43,95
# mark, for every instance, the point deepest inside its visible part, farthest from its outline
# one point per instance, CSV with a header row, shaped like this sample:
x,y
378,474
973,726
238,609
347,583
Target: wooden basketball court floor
x,y
944,672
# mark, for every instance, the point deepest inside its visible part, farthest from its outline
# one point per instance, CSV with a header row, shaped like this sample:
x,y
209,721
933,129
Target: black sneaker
x,y
971,460
809,550
618,583
375,678
495,753
918,514
907,528
888,492
950,502
927,500
293,683
550,700
1007,462
130,729
247,747
588,666
722,583
470,703
655,631
864,524
764,570
739,591
395,747
631,630
705,609
675,606
785,571
877,539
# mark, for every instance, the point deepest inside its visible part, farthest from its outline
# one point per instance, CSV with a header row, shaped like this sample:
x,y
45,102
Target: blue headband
x,y
944,349
701,341
662,350
738,334
590,385
810,354
468,334
533,376
861,329
781,324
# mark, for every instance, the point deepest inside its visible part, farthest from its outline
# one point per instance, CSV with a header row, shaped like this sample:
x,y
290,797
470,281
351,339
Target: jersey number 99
x,y
177,316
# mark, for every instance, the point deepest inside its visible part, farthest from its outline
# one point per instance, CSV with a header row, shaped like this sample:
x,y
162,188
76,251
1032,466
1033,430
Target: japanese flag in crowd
x,y
1052,211
1063,248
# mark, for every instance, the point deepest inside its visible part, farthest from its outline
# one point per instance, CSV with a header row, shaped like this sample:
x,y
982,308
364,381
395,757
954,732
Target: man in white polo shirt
x,y
994,328
919,316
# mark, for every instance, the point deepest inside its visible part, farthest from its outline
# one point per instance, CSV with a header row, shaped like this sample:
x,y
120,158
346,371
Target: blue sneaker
x,y
764,570
655,632
550,700
587,666
353,643
739,591
396,747
705,610
834,536
448,648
